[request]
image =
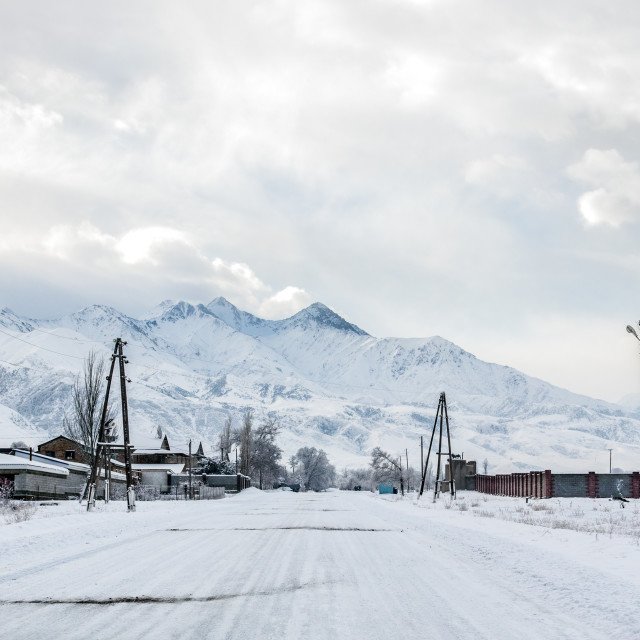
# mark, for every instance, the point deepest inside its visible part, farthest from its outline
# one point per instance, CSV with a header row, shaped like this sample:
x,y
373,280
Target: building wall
x,y
76,481
157,479
39,485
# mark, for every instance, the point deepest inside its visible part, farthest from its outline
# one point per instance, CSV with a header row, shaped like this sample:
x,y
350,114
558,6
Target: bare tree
x,y
386,467
159,432
485,466
293,461
83,423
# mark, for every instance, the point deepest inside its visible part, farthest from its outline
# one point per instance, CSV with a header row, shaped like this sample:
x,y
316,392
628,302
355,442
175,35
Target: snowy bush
x,y
14,510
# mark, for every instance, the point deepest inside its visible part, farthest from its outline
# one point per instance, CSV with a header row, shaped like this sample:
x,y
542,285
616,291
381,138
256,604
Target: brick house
x,y
65,449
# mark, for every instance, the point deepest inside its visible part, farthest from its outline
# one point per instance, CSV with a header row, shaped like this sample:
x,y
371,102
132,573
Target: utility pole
x,y
610,450
406,453
103,446
190,494
421,455
443,414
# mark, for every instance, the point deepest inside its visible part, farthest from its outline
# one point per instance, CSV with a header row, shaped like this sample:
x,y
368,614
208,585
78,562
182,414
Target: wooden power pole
x,y
104,447
443,415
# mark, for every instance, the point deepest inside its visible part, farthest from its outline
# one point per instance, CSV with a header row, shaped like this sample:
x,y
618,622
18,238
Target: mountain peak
x,y
182,310
323,316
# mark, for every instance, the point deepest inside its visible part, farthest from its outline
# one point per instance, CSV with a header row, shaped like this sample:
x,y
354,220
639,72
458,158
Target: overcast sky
x,y
467,169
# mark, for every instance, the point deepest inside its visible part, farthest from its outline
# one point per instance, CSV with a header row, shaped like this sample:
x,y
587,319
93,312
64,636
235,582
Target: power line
x,y
52,333
36,346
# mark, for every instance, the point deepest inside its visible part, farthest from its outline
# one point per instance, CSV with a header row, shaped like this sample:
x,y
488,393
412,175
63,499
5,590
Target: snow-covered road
x,y
328,565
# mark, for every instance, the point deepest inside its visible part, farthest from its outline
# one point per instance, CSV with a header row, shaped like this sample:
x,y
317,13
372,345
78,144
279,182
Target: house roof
x,y
19,463
159,452
168,468
56,462
63,438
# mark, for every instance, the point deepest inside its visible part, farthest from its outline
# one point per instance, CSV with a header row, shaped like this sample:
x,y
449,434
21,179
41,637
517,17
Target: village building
x,y
64,448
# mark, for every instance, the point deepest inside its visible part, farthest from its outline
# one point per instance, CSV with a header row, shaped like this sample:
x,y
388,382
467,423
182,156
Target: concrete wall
x,y
230,483
569,485
614,484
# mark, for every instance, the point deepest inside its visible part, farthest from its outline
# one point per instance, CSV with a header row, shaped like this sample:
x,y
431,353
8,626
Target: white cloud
x,y
62,240
284,303
138,244
151,263
616,199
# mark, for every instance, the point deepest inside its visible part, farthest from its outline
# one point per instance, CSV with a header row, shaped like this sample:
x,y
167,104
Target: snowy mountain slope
x,y
328,382
15,428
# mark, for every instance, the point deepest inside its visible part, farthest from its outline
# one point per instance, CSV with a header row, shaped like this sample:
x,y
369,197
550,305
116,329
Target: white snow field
x,y
264,565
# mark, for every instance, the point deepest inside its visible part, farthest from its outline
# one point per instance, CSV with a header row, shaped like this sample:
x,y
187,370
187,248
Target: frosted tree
x,y
265,453
314,468
225,439
386,468
243,437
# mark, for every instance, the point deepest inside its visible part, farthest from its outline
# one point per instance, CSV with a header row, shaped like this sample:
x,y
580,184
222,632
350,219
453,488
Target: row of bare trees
x,y
259,456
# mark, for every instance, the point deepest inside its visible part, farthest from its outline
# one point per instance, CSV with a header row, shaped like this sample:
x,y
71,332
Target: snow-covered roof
x,y
169,468
115,475
18,462
164,452
56,462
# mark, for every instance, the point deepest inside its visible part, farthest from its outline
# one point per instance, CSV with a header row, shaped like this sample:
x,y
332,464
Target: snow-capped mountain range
x,y
328,383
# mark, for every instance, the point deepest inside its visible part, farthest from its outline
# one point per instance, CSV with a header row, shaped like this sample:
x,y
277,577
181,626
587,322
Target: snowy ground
x,y
330,565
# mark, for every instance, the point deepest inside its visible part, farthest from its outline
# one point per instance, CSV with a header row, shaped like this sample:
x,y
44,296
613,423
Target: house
x,y
164,454
65,449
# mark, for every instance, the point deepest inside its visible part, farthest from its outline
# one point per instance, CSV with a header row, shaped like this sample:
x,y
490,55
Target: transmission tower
x,y
443,415
103,449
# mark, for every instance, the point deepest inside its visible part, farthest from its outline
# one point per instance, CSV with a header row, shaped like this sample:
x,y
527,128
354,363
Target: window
x,y
69,454
51,454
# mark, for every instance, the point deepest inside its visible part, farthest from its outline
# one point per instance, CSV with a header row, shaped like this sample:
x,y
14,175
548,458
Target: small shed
x,y
158,475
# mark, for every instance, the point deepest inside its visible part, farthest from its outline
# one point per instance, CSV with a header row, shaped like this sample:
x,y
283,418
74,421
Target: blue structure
x,y
385,488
